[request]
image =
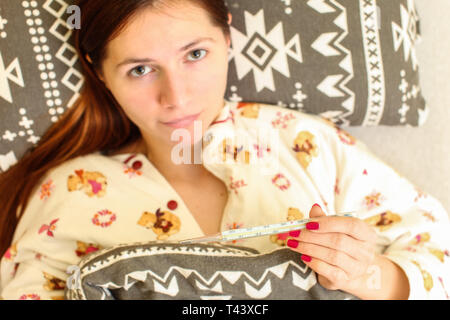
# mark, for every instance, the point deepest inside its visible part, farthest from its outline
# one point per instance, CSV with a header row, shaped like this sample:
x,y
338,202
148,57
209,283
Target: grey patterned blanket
x,y
165,271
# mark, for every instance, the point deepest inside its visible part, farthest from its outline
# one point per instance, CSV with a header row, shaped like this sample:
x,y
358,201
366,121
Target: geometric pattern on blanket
x,y
172,271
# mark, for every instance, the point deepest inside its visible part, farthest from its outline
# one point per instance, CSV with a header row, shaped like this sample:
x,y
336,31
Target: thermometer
x,y
258,231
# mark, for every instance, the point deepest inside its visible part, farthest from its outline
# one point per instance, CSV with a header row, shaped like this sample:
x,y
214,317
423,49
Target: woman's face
x,y
166,65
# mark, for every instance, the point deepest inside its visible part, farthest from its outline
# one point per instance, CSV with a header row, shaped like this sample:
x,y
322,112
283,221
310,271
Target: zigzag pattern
x,y
141,252
169,283
335,85
346,64
254,288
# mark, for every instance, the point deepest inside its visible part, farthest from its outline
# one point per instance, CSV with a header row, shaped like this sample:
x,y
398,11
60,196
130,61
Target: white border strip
x,y
371,41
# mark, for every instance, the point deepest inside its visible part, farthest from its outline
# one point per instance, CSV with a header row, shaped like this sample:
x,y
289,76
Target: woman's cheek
x,y
136,105
211,81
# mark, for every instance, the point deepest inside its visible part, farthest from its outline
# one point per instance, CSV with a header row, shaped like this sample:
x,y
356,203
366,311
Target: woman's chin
x,y
186,137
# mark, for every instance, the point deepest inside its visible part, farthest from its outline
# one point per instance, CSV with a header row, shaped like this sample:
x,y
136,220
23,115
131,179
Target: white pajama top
x,y
275,162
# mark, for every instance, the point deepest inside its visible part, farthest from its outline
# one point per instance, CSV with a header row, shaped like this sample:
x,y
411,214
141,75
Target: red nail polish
x,y
305,258
312,225
294,233
317,205
292,243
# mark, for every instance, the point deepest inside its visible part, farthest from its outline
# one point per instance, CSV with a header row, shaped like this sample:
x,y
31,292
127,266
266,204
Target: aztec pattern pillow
x,y
351,61
171,271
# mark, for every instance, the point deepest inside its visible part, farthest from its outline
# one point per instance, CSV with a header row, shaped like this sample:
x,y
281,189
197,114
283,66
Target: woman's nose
x,y
173,91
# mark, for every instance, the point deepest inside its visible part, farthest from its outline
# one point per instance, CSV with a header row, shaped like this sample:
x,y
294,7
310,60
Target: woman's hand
x,y
339,249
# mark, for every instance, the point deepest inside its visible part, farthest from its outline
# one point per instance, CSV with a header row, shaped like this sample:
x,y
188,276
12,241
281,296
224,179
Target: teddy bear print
x,y
281,238
92,183
305,148
439,254
85,248
383,221
235,152
163,223
249,110
427,278
53,283
420,238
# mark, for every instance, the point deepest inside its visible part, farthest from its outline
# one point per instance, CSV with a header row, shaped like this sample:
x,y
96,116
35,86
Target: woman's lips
x,y
182,123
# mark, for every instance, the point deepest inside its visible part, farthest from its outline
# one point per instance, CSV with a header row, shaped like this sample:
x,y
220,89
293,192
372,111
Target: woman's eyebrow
x,y
184,48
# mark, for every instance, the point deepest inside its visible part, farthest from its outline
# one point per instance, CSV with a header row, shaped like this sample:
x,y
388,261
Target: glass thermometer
x,y
258,231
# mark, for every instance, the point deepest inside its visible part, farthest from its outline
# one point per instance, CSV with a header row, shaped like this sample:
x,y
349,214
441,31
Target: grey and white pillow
x,y
351,61
172,271
40,73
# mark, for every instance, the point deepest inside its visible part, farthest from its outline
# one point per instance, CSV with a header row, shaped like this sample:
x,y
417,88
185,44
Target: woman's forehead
x,y
170,26
171,21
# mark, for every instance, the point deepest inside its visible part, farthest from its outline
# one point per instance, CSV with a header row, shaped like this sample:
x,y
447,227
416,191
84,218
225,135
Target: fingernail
x,y
292,243
294,233
312,225
317,205
305,258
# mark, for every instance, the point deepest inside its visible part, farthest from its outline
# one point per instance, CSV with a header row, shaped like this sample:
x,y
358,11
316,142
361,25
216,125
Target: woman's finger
x,y
357,249
353,227
341,260
337,278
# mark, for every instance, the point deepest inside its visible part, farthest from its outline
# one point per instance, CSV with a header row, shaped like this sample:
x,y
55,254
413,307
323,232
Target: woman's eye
x,y
140,71
197,54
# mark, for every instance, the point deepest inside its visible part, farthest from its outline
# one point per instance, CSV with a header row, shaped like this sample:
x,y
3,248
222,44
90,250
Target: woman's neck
x,y
171,169
161,158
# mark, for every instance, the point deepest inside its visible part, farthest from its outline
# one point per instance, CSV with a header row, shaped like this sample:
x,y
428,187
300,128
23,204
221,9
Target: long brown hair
x,y
95,122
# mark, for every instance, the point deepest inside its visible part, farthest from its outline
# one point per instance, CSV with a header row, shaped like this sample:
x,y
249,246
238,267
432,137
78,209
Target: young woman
x,y
109,171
